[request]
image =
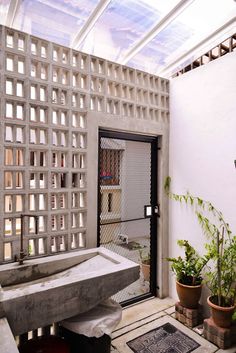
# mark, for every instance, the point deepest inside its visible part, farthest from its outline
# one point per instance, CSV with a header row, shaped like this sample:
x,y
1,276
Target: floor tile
x,y
170,310
136,324
147,315
120,342
229,350
143,310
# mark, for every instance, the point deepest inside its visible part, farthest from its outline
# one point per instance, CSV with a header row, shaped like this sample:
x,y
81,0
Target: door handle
x,y
157,210
150,211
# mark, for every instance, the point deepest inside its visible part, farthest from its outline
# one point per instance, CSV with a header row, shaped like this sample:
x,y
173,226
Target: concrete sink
x,y
53,288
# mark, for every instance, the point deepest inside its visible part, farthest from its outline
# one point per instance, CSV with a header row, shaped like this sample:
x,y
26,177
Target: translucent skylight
x,y
154,55
4,6
157,36
122,24
54,20
194,24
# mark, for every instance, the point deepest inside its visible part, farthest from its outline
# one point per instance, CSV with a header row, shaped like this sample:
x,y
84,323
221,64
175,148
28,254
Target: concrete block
x,y
188,317
222,337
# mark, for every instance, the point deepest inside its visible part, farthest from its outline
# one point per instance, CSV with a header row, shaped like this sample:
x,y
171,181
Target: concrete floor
x,y
143,317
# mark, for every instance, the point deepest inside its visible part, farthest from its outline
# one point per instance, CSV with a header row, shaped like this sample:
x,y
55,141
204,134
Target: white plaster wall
x,y
202,146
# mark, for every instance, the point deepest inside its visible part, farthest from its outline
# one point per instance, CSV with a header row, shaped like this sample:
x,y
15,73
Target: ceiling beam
x,y
202,47
163,23
84,31
12,10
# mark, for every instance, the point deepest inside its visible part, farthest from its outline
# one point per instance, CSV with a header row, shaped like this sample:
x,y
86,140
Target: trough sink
x,y
53,288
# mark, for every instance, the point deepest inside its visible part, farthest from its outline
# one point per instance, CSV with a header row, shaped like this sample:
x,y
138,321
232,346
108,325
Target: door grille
x,y
124,190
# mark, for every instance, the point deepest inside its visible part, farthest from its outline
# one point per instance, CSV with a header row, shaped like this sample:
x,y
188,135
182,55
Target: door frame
x,y
153,140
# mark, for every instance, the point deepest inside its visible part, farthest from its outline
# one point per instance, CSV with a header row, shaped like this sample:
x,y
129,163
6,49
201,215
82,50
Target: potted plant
x,y
221,247
221,277
145,264
188,271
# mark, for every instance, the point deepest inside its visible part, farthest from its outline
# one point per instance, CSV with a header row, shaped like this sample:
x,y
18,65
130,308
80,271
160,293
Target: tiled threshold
x,y
143,317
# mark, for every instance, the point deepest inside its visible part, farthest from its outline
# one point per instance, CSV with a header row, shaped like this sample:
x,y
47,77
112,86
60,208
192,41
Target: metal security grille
x,y
124,191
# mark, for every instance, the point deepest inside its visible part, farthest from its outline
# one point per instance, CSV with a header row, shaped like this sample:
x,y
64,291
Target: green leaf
x,y
221,252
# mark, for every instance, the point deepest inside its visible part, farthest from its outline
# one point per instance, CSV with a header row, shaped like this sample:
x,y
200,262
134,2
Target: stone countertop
x,y
57,296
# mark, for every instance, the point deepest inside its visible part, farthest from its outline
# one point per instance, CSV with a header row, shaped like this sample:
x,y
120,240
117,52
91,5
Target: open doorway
x,y
127,205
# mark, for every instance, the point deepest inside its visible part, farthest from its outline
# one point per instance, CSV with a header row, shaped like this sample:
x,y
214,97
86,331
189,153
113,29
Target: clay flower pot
x,y
189,296
221,315
146,271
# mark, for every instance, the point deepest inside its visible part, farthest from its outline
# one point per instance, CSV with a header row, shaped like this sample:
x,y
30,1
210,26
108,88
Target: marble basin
x,y
53,288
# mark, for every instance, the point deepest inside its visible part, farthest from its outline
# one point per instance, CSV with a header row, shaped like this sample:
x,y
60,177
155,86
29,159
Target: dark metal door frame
x,y
153,223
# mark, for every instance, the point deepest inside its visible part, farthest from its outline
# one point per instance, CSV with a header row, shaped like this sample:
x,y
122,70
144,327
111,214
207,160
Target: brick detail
x,y
188,317
221,337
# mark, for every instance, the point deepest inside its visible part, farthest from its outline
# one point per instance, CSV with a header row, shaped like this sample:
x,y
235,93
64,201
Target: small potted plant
x,y
188,271
221,247
221,277
145,264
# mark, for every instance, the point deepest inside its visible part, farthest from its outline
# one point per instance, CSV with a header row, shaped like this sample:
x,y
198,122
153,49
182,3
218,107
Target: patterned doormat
x,y
164,339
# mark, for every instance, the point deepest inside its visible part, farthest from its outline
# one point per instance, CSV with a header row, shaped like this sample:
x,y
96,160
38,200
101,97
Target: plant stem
x,y
219,245
218,265
221,276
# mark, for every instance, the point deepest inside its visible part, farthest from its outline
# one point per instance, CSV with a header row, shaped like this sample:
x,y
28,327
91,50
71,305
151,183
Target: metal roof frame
x,y
84,31
200,48
164,22
12,10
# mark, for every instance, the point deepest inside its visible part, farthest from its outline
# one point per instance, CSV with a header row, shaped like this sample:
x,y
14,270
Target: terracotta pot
x,y
189,296
221,315
146,272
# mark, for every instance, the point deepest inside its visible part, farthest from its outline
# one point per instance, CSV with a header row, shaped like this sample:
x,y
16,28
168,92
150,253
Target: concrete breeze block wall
x,y
53,102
